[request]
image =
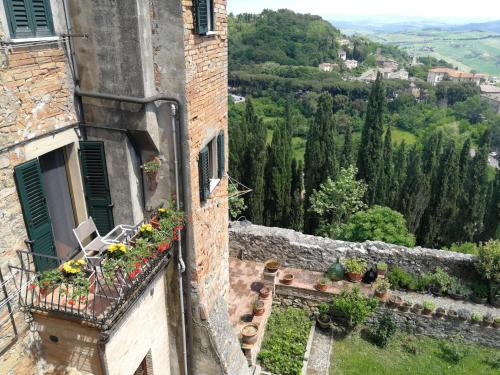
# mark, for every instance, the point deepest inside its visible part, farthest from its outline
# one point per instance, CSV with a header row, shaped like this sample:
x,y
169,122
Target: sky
x,y
445,10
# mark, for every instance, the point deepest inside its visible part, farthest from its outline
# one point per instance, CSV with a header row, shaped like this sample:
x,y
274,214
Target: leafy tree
x,y
336,201
236,203
296,217
473,109
255,158
378,224
320,155
370,149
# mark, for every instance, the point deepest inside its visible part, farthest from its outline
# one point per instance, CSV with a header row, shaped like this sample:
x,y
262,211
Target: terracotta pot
x,y
417,309
487,323
452,314
152,180
155,222
354,277
405,307
288,279
272,266
381,273
249,333
440,313
321,287
496,324
427,312
258,308
397,301
264,292
480,300
382,295
324,321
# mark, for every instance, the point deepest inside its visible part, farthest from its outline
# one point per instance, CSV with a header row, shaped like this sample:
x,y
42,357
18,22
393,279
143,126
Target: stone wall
x,y
441,328
297,250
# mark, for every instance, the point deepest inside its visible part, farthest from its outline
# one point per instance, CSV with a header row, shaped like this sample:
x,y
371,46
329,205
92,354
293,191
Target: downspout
x,y
175,108
101,348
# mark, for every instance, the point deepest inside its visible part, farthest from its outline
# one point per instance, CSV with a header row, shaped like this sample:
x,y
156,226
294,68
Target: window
x,y
29,18
205,19
211,166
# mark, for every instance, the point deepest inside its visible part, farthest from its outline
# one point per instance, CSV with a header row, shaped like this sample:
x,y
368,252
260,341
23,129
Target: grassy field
x,y
478,50
353,356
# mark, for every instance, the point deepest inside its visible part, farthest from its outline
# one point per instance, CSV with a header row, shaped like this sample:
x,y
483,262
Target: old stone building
x,y
91,91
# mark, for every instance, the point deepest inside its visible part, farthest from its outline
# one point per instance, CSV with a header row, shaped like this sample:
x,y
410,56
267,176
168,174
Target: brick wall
x,y
206,94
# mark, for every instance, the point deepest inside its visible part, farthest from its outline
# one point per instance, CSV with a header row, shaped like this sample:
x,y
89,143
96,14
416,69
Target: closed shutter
x,y
203,171
202,14
36,213
220,155
96,183
29,18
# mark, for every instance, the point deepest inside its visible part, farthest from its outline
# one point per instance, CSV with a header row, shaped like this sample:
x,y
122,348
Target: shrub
x,y
476,317
324,308
410,346
400,278
489,260
384,330
459,288
463,314
354,306
355,265
479,289
453,352
381,266
428,305
382,285
494,361
285,341
464,248
441,280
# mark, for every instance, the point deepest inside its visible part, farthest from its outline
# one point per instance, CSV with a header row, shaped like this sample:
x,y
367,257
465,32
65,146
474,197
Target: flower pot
x,y
457,297
417,309
486,322
249,333
258,308
264,292
322,287
354,277
480,300
496,324
452,314
287,279
381,273
152,180
427,312
405,307
155,222
324,321
272,266
440,312
382,295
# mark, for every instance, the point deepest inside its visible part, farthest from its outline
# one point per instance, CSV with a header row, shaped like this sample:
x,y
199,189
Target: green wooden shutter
x,y
29,18
203,171
36,213
96,184
202,16
220,155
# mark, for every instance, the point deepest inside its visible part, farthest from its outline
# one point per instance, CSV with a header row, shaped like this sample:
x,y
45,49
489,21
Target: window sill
x,y
213,184
211,33
37,39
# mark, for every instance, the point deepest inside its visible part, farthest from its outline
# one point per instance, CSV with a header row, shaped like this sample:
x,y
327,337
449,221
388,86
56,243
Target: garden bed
x,y
355,355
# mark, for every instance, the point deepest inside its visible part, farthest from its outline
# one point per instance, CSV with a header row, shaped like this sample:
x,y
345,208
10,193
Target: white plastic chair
x,y
90,241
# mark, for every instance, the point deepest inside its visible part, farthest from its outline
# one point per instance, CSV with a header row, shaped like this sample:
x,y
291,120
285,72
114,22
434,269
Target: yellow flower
x,y
146,228
81,262
71,267
162,210
117,247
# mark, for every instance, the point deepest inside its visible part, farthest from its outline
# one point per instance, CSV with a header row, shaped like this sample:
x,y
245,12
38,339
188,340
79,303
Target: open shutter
x,y
202,14
220,155
96,183
42,19
203,171
18,13
36,213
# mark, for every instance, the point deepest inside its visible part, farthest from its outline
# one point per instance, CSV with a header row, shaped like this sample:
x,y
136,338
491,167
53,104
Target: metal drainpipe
x,y
175,106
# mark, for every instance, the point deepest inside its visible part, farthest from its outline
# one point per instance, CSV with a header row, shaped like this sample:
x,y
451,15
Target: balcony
x,y
99,291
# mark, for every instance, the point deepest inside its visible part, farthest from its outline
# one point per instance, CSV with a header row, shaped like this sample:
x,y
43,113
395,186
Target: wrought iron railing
x,y
104,303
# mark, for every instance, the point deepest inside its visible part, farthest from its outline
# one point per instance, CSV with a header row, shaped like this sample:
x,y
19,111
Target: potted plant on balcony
x,y
259,308
355,269
76,279
151,168
272,266
249,333
322,284
324,320
381,269
288,279
46,281
428,307
264,292
382,289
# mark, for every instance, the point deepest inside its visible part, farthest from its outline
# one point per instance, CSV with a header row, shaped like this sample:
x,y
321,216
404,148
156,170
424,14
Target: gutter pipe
x,y
175,106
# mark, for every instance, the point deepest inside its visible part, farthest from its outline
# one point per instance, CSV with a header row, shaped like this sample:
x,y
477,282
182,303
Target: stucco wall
x,y
294,249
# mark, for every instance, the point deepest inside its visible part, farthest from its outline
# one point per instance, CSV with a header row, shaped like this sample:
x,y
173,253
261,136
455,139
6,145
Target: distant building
x,y
492,95
237,98
382,62
371,74
328,67
342,55
437,75
351,64
400,74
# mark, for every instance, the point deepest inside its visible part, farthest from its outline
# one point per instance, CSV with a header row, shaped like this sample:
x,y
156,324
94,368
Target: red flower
x,y
164,246
137,265
32,286
71,302
82,298
144,260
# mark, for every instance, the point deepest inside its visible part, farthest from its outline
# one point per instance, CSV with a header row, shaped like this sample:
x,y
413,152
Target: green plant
x,y
323,281
479,289
453,352
382,285
381,266
324,308
285,341
458,288
355,265
152,166
489,260
354,306
428,305
465,248
494,361
236,202
476,317
441,280
399,278
384,330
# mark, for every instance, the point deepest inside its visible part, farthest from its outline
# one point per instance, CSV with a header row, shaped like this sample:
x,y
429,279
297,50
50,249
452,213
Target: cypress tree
x,y
476,191
400,166
288,164
386,184
346,157
255,164
413,199
277,188
296,218
492,218
370,148
436,226
320,155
